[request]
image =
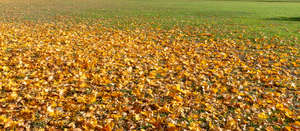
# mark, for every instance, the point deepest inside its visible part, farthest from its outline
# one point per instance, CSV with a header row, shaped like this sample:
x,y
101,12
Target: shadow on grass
x,y
285,19
277,1
271,1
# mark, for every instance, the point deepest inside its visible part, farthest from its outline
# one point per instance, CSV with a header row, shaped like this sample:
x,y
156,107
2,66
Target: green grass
x,y
224,18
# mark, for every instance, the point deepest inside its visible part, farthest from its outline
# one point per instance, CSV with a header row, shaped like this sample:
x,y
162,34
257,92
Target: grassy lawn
x,y
225,18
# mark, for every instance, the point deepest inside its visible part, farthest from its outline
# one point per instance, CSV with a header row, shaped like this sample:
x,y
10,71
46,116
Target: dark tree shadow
x,y
273,1
285,18
277,1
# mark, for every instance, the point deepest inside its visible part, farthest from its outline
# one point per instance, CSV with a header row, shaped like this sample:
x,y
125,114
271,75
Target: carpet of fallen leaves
x,y
88,76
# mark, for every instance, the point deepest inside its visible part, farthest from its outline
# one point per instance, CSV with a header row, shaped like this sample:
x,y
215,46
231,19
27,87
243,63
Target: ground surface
x,y
136,64
250,18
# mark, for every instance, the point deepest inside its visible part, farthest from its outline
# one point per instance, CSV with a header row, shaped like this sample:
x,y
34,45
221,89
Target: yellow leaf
x,y
50,111
231,123
116,116
137,117
262,116
165,108
288,113
177,88
5,68
215,90
83,77
152,74
13,96
171,127
93,99
178,98
108,127
3,119
171,124
83,85
80,99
